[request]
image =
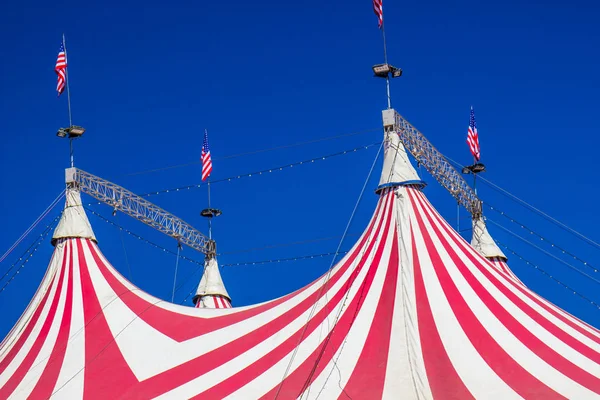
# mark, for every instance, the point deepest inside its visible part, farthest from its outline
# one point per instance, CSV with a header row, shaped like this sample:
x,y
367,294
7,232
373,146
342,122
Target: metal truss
x,y
141,209
435,163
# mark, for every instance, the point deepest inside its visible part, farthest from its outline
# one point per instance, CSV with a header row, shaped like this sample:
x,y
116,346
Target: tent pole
x,y
210,217
68,99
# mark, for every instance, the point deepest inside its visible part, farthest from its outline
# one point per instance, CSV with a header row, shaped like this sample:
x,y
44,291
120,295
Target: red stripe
x,y
296,382
506,269
181,327
316,362
223,302
444,381
27,362
507,369
30,324
551,308
181,374
565,317
106,374
529,310
47,382
368,378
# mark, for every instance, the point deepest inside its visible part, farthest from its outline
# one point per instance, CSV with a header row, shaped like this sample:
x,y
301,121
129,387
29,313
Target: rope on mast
x,y
547,253
253,152
549,275
26,256
68,99
542,238
262,172
326,279
33,225
175,275
534,209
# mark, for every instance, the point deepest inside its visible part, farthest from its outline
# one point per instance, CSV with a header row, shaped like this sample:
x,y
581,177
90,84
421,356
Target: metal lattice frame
x,y
133,205
436,164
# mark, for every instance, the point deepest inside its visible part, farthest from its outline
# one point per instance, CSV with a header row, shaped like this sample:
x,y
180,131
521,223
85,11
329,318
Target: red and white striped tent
x,y
211,291
411,312
485,245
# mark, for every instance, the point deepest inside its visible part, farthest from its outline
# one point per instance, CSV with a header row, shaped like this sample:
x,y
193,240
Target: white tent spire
x,y
482,241
74,222
211,291
397,169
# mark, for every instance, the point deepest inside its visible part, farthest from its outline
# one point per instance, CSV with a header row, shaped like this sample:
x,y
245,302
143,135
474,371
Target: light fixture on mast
x,y
473,169
383,71
71,132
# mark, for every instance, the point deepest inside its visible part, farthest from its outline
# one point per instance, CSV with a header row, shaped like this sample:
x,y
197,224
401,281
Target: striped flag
x,y
206,159
378,8
61,69
473,137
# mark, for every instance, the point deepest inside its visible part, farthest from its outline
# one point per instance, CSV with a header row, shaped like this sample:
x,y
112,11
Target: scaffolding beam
x,y
433,161
139,208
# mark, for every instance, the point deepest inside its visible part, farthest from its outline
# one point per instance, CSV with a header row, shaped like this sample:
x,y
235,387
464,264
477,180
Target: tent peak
x,y
397,168
74,222
482,241
211,283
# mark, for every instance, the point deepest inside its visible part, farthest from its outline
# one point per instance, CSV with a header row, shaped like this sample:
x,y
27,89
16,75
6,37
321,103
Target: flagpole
x,y
68,98
387,78
209,218
208,212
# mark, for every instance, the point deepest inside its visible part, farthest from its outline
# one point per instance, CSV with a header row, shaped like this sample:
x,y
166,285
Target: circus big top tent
x,y
411,312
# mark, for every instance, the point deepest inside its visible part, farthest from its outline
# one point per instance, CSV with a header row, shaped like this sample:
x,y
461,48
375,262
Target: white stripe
x,y
271,378
336,374
540,332
74,361
265,381
36,369
15,333
473,370
405,371
157,352
585,326
518,351
308,290
24,350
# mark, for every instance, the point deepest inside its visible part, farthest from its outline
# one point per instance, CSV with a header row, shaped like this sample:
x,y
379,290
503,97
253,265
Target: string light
x,y
275,261
538,268
547,253
587,264
201,264
135,235
26,256
253,152
261,172
532,208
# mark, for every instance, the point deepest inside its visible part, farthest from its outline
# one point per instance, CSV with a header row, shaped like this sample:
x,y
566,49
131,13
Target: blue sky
x,y
147,78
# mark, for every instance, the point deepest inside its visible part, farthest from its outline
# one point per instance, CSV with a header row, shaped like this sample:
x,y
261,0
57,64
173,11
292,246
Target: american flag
x,y
378,8
61,69
473,137
206,159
